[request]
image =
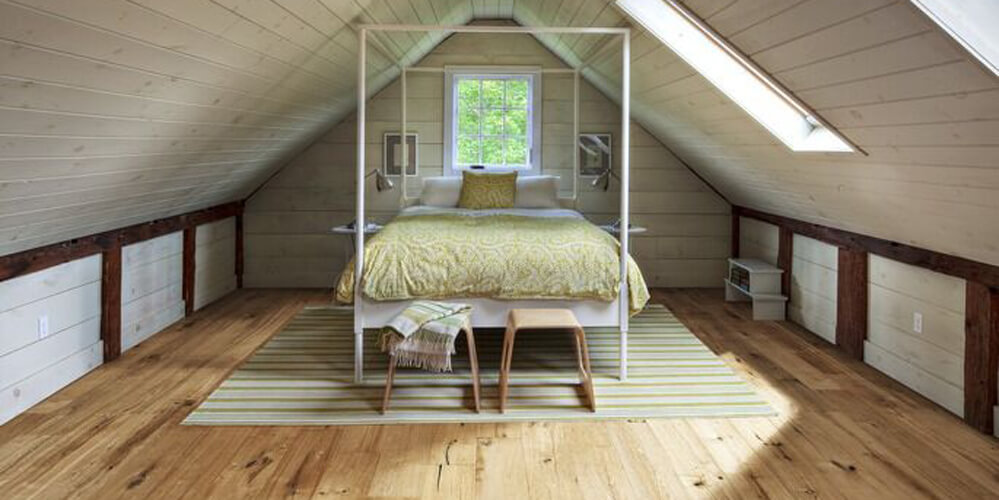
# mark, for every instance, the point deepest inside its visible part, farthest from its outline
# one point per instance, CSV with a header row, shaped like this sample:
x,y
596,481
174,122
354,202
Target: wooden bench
x,y
545,319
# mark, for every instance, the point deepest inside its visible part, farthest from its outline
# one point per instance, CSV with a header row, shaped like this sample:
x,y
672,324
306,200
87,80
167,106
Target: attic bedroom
x,y
499,249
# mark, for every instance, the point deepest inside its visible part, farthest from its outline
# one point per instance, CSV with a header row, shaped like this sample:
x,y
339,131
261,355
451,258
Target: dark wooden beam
x,y
952,265
187,290
785,256
239,250
851,302
111,302
736,229
981,356
37,259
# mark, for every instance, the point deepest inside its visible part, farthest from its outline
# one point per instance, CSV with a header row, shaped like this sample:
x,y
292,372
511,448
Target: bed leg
x,y
623,376
359,357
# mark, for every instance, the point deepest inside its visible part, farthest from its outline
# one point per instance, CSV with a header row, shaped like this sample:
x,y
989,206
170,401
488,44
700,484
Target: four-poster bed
x,y
489,312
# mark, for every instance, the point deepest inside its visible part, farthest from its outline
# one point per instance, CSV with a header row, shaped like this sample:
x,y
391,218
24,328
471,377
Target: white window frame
x,y
799,128
971,23
533,74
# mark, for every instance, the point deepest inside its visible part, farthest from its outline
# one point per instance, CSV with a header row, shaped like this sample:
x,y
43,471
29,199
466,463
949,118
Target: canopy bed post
x,y
575,138
380,313
625,180
359,220
403,139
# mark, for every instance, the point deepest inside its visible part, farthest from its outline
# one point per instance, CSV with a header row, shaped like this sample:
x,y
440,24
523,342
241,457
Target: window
x,y
734,75
492,119
971,22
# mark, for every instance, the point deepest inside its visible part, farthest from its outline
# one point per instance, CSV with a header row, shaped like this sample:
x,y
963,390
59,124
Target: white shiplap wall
x,y
758,240
31,367
214,261
930,362
115,112
288,221
813,286
151,276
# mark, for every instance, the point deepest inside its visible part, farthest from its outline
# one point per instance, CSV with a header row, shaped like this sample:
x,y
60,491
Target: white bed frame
x,y
490,312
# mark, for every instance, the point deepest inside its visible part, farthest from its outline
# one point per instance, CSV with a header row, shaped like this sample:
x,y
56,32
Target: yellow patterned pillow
x,y
479,190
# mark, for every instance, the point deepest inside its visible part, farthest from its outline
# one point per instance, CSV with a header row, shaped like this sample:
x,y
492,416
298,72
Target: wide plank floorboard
x,y
844,431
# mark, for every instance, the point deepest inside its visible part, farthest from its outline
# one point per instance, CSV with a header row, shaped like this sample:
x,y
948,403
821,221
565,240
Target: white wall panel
x,y
151,287
931,361
813,286
34,365
214,261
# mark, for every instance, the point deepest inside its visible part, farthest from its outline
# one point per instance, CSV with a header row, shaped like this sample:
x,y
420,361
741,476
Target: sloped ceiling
x,y
923,110
114,112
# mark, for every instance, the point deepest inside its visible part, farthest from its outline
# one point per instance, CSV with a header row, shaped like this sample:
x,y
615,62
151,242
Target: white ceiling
x,y
118,111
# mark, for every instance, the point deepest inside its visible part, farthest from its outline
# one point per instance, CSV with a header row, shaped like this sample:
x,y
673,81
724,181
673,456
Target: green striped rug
x,y
304,376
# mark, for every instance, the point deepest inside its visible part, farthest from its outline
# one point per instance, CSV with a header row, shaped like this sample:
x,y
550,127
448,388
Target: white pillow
x,y
538,191
441,191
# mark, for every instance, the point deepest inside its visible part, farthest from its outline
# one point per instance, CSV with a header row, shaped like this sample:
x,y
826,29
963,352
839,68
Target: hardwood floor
x,y
844,431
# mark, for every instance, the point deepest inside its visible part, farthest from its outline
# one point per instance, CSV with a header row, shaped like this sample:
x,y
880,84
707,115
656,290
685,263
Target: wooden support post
x,y
851,302
736,218
785,255
981,355
239,250
111,302
190,235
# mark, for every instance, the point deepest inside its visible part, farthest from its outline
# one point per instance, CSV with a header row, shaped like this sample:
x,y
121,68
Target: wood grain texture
x,y
844,430
981,359
189,268
188,104
852,302
240,250
37,259
736,218
947,264
111,302
785,256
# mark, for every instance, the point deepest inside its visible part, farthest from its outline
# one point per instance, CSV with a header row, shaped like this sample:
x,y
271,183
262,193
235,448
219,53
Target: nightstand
x,y
370,228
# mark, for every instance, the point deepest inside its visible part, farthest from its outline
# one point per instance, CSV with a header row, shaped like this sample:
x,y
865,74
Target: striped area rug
x,y
304,376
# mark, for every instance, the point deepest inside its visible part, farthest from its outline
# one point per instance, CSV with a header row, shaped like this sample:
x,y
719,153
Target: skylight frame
x,y
968,35
786,118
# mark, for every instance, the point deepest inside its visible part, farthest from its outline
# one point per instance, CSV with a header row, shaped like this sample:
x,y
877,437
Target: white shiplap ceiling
x,y
114,112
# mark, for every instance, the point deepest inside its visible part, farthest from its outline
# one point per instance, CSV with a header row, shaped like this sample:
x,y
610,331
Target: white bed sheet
x,y
526,212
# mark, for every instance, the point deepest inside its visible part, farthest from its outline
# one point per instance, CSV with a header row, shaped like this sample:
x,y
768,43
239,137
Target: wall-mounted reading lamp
x,y
382,183
603,180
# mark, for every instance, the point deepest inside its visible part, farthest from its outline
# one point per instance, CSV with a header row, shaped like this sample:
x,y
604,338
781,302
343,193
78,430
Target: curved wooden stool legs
x,y
473,361
545,319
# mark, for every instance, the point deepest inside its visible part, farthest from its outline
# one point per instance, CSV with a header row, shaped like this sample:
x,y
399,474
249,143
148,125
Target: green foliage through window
x,y
493,116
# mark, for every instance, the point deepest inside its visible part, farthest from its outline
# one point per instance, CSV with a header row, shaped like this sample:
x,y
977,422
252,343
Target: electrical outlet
x,y
43,327
917,322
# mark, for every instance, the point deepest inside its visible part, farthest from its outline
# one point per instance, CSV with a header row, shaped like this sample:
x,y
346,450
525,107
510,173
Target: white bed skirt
x,y
488,313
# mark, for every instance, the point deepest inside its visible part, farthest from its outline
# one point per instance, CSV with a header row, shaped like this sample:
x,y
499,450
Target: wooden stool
x,y
545,319
473,360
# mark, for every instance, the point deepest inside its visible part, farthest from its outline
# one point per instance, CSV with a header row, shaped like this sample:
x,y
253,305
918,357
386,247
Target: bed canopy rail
x,y
624,34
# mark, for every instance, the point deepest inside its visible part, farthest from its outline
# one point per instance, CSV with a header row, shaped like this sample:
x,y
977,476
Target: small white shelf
x,y
757,281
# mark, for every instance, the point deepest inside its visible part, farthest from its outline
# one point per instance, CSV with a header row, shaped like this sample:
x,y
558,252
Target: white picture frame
x,y
391,152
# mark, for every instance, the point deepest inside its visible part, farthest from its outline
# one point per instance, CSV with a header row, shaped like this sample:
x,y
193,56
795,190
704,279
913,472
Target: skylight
x,y
971,22
735,76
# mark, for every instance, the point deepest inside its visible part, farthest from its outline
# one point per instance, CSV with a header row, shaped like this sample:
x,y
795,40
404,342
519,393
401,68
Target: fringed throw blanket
x,y
423,335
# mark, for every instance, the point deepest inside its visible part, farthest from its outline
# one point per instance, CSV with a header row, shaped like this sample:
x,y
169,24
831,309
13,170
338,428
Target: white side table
x,y
369,229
